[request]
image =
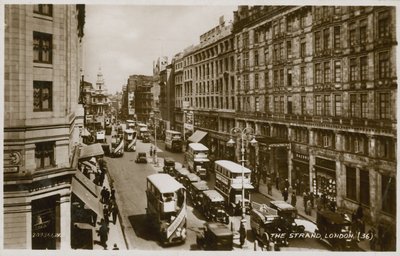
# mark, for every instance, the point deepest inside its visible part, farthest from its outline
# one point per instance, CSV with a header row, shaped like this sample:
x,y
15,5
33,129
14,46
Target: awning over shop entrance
x,y
86,190
272,142
197,136
91,151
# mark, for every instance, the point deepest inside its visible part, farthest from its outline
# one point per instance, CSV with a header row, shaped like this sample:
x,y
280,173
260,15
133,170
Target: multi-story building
x,y
139,98
318,85
41,88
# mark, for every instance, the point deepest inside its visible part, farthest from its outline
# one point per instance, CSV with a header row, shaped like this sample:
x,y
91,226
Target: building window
x,y
281,77
44,155
289,77
246,86
327,72
42,96
384,65
327,39
303,48
351,183
43,9
257,101
289,105
245,39
256,81
383,24
353,105
266,78
364,187
289,49
303,105
281,51
256,37
338,105
317,36
318,105
303,21
318,73
338,71
352,34
289,25
388,194
42,47
385,147
353,70
266,104
363,32
327,105
276,52
281,105
384,105
364,68
276,78
336,37
246,60
256,58
276,104
266,54
364,105
303,75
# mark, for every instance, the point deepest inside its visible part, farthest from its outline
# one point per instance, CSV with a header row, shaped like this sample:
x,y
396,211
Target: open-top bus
x,y
197,159
173,141
166,207
228,181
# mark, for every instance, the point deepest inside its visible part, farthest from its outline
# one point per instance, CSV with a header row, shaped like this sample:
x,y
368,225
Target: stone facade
x,y
41,99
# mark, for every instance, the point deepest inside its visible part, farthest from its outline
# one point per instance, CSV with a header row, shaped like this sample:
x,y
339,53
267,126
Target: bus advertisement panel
x,y
166,207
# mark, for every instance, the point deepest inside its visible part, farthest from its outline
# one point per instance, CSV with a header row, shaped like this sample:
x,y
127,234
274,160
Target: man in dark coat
x,y
103,233
294,199
285,194
106,214
242,233
114,212
103,194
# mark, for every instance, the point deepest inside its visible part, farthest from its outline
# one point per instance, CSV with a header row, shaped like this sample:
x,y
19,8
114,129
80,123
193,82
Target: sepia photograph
x,y
174,127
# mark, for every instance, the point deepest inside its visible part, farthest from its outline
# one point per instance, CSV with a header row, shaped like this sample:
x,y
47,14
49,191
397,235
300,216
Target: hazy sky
x,y
125,39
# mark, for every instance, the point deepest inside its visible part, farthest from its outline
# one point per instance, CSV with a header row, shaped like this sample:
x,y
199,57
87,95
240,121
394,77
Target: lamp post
x,y
243,132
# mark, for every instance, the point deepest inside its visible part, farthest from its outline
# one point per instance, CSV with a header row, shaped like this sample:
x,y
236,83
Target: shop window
x,y
43,9
44,155
389,194
351,183
42,47
42,96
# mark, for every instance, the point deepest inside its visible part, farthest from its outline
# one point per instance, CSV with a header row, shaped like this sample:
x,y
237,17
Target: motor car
x,y
189,178
213,205
180,174
288,214
141,157
169,166
335,230
215,236
195,192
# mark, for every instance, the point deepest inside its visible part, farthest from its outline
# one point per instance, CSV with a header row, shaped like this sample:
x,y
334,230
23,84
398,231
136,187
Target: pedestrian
x,y
287,184
103,195
319,202
301,186
115,247
106,196
114,212
102,177
294,199
305,199
308,207
269,185
103,233
151,150
106,214
311,198
112,196
285,194
242,233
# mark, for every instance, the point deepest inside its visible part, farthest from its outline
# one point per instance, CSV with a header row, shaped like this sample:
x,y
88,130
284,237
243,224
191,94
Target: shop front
x,y
324,183
301,171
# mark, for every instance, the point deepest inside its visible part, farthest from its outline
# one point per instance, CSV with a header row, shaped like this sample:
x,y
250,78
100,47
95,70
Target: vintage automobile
x,y
335,230
288,214
214,207
265,221
215,236
180,173
169,166
141,157
189,178
195,192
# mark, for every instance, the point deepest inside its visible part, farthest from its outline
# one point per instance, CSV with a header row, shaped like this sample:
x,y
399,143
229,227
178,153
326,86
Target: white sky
x,y
125,39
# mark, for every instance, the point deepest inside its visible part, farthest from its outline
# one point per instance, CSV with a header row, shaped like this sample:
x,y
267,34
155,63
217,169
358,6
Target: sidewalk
x,y
115,235
277,195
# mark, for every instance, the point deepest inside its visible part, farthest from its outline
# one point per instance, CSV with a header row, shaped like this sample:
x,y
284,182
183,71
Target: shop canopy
x,y
87,191
91,151
197,136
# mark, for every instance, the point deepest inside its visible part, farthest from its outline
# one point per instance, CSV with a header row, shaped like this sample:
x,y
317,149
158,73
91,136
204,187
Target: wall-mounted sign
x,y
12,160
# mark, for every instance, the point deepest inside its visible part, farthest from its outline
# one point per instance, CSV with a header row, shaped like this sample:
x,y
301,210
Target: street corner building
x,y
42,123
317,84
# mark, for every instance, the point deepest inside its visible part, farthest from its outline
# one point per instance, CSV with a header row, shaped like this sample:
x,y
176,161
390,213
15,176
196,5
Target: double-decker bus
x,y
197,159
228,181
173,141
166,207
130,124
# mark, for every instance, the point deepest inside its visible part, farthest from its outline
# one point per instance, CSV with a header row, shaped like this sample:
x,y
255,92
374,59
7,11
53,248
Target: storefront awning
x,y
197,136
238,186
81,188
91,151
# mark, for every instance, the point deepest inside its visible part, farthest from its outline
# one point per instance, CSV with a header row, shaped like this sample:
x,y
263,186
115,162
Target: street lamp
x,y
243,132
